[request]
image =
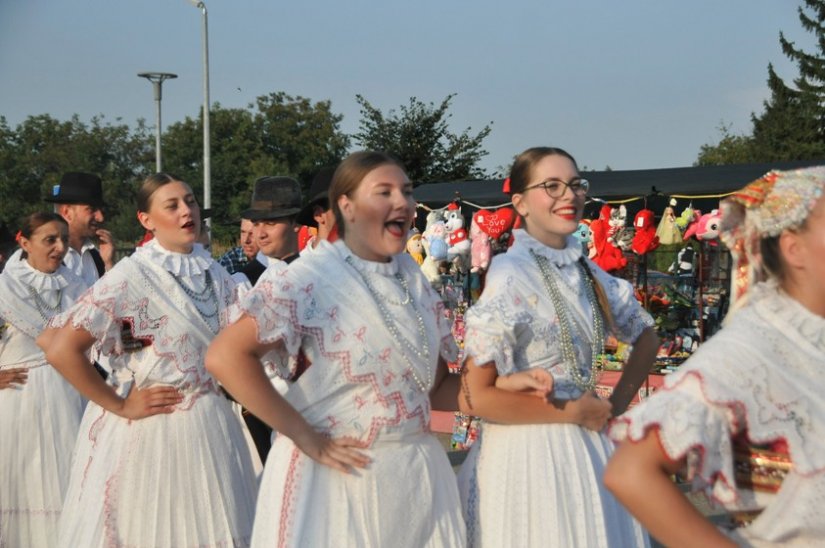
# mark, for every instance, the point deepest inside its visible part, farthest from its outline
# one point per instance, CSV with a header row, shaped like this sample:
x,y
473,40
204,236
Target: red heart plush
x,y
495,223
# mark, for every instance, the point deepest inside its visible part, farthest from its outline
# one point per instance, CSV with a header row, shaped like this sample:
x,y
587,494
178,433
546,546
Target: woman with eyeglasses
x,y
534,476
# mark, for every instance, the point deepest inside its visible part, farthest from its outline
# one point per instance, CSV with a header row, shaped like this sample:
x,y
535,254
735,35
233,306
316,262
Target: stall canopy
x,y
641,184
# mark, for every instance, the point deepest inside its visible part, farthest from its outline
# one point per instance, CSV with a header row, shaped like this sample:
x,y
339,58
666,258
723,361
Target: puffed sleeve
x,y
629,318
99,310
276,304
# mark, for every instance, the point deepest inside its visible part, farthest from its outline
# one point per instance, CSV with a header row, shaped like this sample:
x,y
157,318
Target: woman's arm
x,y
638,474
635,371
66,349
234,359
480,397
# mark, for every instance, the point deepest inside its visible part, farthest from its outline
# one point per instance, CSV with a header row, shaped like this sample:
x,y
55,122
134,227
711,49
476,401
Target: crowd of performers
x,y
341,352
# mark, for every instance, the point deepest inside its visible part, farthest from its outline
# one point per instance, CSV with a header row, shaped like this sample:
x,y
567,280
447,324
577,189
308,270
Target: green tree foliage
x,y
278,135
792,124
419,135
35,154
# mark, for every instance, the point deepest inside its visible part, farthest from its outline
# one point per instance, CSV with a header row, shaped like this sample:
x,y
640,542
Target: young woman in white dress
x,y
534,476
361,336
745,416
39,411
160,459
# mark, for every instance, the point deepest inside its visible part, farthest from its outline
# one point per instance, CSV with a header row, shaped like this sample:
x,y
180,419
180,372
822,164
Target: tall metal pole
x,y
157,79
207,157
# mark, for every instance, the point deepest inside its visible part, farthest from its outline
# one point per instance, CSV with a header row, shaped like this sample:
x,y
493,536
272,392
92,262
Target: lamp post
x,y
207,160
157,79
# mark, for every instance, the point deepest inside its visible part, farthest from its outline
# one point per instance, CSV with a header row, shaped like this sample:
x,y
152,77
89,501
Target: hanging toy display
x,y
608,256
644,239
415,247
667,231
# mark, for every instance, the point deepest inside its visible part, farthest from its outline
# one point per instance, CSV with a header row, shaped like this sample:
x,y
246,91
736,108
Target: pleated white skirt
x,y
183,479
407,497
541,485
38,427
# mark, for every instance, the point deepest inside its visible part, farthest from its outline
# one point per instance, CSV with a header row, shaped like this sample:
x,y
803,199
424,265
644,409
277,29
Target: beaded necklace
x,y
206,296
45,310
424,353
568,353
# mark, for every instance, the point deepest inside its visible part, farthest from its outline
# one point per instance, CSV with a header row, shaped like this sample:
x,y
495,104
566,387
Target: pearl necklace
x,y
206,296
560,305
390,323
45,310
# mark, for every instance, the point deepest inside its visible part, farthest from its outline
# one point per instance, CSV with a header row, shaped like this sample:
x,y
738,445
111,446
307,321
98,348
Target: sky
x,y
630,84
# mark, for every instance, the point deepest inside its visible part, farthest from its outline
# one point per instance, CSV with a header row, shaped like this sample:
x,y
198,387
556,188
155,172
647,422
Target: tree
x,y
792,124
420,137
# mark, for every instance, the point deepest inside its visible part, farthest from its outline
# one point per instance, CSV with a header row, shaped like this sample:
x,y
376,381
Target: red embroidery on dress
x,y
288,499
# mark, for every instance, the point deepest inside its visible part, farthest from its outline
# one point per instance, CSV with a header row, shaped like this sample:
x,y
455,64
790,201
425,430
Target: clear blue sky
x,y
633,84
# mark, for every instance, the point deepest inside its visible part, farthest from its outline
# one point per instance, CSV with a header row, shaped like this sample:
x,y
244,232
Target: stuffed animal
x,y
480,249
684,262
644,239
415,248
585,236
497,224
706,228
685,218
608,256
667,231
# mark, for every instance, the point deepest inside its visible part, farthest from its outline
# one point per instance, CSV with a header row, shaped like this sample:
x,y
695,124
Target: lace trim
x,y
192,264
560,257
382,269
21,270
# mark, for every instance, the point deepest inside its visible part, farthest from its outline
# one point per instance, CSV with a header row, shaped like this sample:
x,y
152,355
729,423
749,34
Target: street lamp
x,y
207,161
157,79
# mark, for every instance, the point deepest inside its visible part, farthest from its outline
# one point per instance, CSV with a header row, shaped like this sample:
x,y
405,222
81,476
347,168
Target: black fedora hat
x,y
273,198
318,195
78,188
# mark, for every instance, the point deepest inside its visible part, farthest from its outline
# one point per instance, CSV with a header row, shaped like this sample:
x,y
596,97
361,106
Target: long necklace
x,y
46,310
424,352
568,353
205,300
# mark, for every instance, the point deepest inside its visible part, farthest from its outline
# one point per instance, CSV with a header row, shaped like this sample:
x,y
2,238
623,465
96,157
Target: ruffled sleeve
x,y
493,323
276,304
689,427
629,317
99,311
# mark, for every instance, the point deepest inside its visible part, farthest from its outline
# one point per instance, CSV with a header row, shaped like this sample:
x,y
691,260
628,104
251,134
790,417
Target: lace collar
x,y
789,312
571,252
383,269
190,264
20,269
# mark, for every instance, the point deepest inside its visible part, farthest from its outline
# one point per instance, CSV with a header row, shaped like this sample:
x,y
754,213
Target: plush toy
x,y
480,249
608,256
706,228
585,236
685,218
416,248
684,262
644,239
667,231
498,225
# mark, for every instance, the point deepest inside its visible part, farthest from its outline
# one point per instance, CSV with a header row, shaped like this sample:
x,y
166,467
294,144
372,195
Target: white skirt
x,y
183,479
406,497
38,427
541,485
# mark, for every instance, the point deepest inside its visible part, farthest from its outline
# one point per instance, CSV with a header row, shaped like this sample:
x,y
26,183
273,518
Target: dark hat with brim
x,y
78,188
274,198
319,196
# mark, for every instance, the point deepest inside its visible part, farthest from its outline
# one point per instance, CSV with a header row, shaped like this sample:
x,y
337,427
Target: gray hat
x,y
273,198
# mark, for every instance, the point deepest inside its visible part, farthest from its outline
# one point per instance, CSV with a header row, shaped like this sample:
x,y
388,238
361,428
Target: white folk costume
x,y
373,334
761,379
540,484
179,479
40,419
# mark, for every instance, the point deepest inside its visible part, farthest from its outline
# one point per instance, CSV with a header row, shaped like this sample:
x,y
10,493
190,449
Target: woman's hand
x,y
13,378
340,454
591,412
145,402
535,381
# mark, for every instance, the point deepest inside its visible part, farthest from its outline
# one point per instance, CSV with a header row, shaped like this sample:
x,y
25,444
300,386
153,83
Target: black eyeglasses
x,y
555,188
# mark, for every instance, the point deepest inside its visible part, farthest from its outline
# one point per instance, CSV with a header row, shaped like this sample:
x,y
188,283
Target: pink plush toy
x,y
706,228
480,248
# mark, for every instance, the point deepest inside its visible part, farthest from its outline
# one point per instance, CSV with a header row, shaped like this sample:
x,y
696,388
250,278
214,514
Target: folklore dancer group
x,y
158,457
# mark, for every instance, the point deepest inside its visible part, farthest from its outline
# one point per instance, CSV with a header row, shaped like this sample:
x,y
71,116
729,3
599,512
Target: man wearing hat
x,y
79,199
275,203
318,213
